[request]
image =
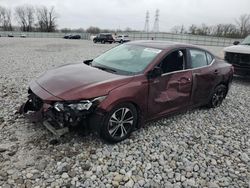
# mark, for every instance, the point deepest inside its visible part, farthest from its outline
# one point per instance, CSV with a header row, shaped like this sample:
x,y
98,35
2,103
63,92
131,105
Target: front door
x,y
171,91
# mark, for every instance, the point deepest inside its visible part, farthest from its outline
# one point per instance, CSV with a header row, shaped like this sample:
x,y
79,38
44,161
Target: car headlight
x,y
81,105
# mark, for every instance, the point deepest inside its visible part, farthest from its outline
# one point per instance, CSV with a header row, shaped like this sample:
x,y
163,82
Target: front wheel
x,y
218,96
119,123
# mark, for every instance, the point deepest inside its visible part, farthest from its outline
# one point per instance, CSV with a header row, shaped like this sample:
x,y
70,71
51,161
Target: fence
x,y
185,38
85,36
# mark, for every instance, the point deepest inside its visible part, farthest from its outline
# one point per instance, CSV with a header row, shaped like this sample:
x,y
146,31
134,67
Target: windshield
x,y
126,59
246,41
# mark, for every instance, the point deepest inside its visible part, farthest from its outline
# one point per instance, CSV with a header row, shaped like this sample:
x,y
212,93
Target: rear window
x,y
198,58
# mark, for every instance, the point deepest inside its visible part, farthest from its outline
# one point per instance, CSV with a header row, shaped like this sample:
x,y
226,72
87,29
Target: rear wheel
x,y
119,123
218,96
103,41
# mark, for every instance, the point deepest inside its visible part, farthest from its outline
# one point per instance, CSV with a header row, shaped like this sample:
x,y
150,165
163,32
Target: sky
x,y
120,14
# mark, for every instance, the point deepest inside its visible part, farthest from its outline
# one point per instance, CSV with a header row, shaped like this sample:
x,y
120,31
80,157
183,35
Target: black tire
x,y
218,96
121,41
103,41
114,129
94,41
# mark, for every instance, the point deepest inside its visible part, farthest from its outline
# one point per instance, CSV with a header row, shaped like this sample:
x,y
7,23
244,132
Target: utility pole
x,y
146,27
156,23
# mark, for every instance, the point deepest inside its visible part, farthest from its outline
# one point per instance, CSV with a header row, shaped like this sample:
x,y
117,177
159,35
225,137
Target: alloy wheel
x,y
120,123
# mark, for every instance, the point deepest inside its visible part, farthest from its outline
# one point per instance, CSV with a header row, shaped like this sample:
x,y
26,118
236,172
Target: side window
x,y
174,61
198,58
210,58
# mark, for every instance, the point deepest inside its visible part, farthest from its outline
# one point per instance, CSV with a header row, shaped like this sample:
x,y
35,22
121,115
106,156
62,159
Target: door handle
x,y
216,71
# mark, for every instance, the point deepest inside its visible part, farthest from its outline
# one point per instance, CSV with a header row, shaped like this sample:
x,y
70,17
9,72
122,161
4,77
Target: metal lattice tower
x,y
146,27
156,23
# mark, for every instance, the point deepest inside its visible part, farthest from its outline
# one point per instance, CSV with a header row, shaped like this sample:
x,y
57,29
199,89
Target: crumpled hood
x,y
79,81
243,49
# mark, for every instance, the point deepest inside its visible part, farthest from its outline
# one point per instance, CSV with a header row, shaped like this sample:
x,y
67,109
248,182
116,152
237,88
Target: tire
x,y
103,41
114,129
218,96
121,41
94,41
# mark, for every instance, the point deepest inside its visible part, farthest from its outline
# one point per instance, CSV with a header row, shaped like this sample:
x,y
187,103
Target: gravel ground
x,y
199,148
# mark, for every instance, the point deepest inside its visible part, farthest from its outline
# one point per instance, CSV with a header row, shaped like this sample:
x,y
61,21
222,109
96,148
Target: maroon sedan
x,y
129,85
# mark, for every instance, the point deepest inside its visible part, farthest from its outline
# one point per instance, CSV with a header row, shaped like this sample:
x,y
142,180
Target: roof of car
x,y
162,44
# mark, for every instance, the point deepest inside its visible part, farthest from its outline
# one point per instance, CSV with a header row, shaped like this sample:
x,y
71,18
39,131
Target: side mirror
x,y
87,62
156,72
236,42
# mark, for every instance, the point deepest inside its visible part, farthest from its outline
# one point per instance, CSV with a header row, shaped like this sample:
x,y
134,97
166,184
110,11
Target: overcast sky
x,y
115,14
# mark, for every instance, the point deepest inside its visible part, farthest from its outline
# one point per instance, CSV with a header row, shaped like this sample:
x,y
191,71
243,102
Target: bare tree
x,y
178,29
192,29
5,19
25,17
46,19
243,23
93,30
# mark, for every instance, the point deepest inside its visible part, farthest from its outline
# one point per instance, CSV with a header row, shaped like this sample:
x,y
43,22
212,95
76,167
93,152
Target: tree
x,y
243,23
5,19
192,29
178,29
46,19
25,17
93,30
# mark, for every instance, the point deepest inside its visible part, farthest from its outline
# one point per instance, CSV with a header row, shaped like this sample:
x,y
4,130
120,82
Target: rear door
x,y
171,91
204,75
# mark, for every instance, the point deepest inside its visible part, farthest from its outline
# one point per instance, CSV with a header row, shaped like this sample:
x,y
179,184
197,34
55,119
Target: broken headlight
x,y
81,105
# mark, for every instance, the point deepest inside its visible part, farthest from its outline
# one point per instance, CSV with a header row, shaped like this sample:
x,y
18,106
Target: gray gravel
x,y
199,148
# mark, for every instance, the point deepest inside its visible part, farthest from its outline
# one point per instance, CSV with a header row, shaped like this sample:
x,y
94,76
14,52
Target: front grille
x,y
238,59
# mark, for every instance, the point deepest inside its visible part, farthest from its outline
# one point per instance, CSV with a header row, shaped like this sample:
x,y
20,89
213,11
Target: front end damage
x,y
60,116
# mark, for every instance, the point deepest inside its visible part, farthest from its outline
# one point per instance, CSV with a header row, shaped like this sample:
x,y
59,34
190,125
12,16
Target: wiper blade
x,y
105,68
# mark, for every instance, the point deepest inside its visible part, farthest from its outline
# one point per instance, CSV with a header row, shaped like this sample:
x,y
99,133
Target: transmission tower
x,y
156,23
146,27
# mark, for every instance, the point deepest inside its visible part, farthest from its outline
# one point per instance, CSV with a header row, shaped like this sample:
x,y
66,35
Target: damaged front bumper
x,y
60,116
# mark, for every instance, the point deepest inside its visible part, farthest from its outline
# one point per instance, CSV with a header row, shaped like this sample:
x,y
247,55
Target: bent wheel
x,y
119,123
218,96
